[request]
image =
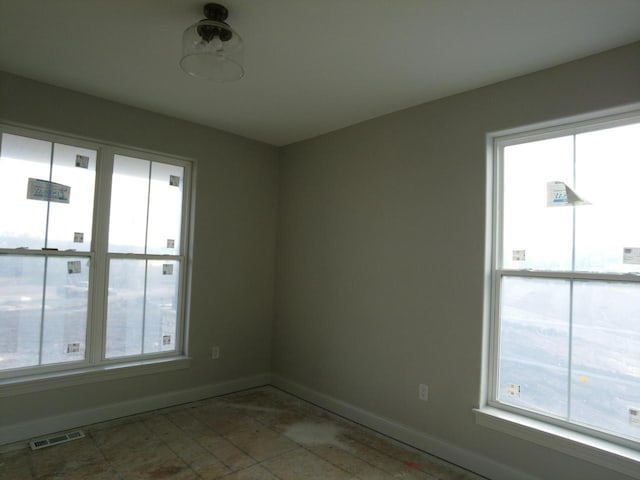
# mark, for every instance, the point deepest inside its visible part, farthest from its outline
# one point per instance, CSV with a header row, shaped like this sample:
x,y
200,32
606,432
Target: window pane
x,y
607,173
534,344
161,306
544,233
65,313
129,198
165,209
21,280
606,356
70,223
24,224
125,307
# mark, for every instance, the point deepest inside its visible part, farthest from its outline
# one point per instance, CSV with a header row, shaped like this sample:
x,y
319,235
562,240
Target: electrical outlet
x,y
423,392
215,353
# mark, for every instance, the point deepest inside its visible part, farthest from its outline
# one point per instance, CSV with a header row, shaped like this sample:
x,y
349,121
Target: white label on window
x,y
171,243
47,191
634,417
513,390
73,266
78,237
82,161
519,255
174,180
560,195
631,255
73,347
556,194
166,340
167,269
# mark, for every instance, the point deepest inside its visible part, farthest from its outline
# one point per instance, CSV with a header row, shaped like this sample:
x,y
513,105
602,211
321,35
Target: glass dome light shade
x,y
212,50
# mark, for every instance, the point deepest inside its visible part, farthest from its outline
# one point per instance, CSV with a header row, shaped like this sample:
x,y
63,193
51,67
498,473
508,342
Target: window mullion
x,y
571,282
146,262
100,268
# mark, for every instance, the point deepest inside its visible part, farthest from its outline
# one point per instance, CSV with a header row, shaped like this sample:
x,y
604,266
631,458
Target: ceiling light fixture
x,y
211,49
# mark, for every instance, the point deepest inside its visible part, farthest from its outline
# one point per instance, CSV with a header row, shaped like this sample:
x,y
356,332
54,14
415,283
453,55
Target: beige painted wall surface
x,y
234,244
381,244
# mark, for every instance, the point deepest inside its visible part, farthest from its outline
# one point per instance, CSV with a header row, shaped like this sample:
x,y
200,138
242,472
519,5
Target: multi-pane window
x,y
566,289
92,253
144,241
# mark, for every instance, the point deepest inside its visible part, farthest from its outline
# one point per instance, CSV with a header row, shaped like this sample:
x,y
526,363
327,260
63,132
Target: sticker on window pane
x,y
82,161
171,243
167,269
631,255
78,237
47,191
560,195
634,417
513,390
166,340
174,180
73,266
519,255
73,347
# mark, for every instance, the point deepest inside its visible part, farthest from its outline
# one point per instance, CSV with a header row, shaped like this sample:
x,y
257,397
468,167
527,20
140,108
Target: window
x,y
565,301
92,254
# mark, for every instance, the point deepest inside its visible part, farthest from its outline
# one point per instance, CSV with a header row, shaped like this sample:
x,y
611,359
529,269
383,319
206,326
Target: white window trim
x,y
97,373
585,447
491,414
95,367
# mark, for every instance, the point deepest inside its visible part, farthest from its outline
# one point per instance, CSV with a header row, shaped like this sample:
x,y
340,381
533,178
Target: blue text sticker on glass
x,y
560,195
556,194
48,191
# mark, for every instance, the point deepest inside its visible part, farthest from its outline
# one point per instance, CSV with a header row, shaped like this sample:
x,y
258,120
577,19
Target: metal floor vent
x,y
55,440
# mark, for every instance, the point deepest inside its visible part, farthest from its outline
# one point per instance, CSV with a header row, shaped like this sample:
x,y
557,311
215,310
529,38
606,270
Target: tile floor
x,y
258,434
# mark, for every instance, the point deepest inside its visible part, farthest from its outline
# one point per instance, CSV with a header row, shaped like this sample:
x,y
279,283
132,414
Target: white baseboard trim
x,y
420,440
10,435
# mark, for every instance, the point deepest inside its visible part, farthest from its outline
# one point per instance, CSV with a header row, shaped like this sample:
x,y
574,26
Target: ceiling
x,y
311,66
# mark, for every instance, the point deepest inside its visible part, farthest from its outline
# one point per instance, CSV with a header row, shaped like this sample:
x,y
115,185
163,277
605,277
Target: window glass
x,y
65,309
24,224
70,223
165,208
33,221
125,310
129,205
608,176
161,305
21,279
606,355
544,234
534,344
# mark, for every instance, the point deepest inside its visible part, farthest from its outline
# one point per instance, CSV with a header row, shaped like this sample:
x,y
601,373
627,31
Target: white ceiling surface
x,y
312,66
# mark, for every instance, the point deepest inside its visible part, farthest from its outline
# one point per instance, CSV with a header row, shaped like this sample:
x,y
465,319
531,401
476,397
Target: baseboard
x,y
420,440
11,435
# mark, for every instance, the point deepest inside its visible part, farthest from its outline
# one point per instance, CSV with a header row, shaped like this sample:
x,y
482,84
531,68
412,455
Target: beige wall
x,y
381,244
234,244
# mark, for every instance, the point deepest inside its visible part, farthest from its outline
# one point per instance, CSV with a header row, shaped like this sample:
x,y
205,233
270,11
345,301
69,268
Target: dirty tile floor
x,y
258,434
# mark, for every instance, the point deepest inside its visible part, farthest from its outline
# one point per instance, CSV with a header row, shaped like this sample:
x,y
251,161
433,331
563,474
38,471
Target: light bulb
x,y
217,46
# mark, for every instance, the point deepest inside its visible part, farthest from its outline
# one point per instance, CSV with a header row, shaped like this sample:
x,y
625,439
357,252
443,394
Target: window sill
x,y
600,452
35,383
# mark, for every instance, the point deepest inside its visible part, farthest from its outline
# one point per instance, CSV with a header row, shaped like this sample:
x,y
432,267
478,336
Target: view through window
x,y
566,283
85,280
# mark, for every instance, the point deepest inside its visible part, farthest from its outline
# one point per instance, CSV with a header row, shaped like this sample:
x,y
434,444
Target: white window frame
x,y
95,366
617,453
